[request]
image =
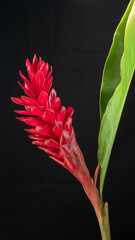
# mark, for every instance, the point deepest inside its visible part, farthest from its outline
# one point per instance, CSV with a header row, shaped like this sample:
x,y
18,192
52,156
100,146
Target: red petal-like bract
x,y
51,122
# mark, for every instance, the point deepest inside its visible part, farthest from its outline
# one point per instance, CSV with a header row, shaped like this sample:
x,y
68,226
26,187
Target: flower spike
x,y
52,129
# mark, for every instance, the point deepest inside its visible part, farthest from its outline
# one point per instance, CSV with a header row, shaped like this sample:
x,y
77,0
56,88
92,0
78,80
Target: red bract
x,y
51,122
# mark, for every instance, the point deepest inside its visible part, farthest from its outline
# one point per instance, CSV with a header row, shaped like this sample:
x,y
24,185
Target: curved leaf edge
x,y
102,165
116,36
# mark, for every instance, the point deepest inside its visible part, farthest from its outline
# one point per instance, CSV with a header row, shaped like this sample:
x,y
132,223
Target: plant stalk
x,y
101,210
89,185
104,223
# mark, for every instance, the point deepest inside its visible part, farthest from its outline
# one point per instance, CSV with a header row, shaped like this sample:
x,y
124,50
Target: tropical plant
x,y
51,122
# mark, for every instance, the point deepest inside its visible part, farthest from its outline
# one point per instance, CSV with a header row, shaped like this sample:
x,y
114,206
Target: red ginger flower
x,y
52,123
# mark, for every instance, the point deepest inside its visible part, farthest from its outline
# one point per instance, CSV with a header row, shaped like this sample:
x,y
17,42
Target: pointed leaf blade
x,y
115,103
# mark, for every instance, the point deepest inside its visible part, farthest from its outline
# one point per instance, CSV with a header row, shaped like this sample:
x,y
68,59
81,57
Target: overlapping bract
x,y
51,122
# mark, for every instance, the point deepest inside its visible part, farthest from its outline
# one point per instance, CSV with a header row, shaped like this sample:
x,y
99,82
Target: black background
x,y
38,198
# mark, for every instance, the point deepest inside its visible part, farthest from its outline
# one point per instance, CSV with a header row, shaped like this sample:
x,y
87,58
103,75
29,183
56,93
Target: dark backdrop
x,y
38,198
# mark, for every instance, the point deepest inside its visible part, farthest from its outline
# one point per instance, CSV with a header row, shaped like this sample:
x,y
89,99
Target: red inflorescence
x,y
51,122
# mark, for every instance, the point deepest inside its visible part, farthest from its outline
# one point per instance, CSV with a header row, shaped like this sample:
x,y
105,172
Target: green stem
x,y
104,223
101,210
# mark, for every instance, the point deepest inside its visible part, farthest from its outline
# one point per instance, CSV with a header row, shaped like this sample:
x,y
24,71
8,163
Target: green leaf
x,y
117,75
111,73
